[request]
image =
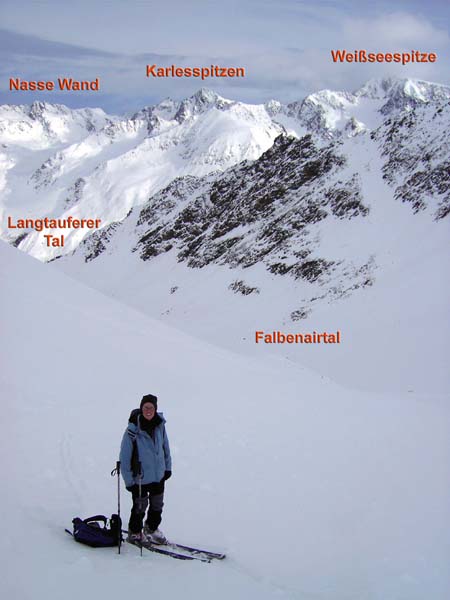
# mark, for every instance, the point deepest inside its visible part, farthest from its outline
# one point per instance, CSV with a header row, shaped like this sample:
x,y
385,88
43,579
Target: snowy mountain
x,y
58,162
224,218
285,241
342,493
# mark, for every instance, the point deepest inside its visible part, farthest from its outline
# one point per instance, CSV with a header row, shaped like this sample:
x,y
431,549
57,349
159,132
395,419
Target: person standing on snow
x,y
145,441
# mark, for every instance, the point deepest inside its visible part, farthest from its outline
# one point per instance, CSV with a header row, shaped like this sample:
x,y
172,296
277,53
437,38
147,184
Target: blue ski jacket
x,y
154,453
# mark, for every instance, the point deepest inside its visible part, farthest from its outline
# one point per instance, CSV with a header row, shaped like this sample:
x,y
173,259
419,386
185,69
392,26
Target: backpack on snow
x,y
89,531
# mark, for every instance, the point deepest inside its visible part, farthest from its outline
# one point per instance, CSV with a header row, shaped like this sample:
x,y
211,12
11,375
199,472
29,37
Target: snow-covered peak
x,y
324,111
273,107
41,124
376,88
200,102
329,113
206,96
180,111
401,93
337,100
47,112
166,109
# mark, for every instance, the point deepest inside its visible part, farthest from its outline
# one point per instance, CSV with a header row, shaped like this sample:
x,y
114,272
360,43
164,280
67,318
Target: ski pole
x,y
116,471
140,496
118,506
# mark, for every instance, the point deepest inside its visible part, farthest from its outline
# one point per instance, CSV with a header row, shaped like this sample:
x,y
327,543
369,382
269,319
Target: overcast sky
x,y
284,46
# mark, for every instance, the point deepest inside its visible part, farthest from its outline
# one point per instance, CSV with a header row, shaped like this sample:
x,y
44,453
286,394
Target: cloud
x,y
285,49
14,44
394,32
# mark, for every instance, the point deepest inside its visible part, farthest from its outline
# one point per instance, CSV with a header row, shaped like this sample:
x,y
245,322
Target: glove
x,y
167,475
131,488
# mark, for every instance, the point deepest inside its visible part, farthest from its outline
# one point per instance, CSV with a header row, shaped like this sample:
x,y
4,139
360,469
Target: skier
x,y
145,441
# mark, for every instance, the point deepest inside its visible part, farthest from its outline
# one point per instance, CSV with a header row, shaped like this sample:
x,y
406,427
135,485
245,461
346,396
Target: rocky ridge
x,y
281,210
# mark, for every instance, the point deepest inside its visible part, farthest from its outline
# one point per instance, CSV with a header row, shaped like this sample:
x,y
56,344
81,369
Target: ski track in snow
x,y
68,466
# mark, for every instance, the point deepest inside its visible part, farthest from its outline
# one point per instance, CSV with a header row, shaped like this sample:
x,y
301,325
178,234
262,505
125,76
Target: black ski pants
x,y
152,495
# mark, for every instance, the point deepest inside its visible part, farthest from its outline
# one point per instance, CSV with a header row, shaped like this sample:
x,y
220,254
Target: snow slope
x,y
315,491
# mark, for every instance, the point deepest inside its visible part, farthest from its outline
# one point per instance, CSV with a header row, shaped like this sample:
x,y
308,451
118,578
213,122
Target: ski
x,y
175,550
195,551
192,551
165,552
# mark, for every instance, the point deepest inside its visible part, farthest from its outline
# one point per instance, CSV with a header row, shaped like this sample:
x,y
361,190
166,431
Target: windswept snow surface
x,y
315,491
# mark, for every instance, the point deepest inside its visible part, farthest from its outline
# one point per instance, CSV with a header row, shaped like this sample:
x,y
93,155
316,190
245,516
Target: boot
x,y
155,537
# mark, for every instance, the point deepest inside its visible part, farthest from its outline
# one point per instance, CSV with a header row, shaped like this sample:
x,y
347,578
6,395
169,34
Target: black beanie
x,y
149,398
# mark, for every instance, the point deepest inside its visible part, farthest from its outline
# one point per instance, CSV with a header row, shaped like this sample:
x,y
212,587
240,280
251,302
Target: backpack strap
x,y
134,415
134,461
96,518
